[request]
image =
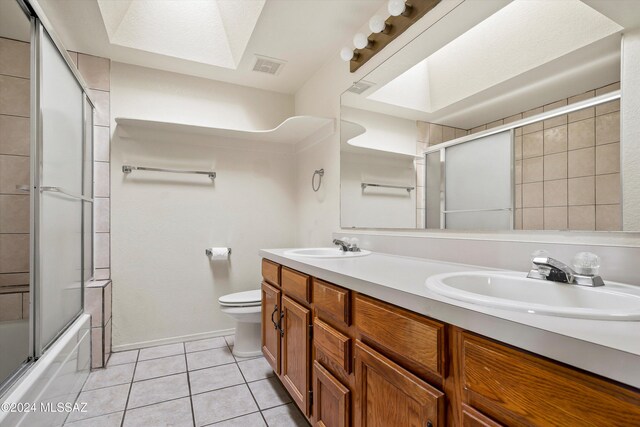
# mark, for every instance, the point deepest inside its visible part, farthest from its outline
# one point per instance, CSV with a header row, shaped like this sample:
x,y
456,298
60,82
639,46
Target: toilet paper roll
x,y
218,253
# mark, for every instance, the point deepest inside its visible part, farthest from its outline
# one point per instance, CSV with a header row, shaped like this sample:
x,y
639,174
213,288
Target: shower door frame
x,y
39,25
40,30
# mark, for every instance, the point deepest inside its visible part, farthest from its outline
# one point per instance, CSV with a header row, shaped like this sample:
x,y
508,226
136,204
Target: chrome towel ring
x,y
320,173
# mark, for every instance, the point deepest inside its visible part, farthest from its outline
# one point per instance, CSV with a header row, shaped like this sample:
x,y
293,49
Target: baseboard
x,y
172,340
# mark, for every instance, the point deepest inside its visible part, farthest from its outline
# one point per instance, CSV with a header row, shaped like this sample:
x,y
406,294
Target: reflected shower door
x,y
59,229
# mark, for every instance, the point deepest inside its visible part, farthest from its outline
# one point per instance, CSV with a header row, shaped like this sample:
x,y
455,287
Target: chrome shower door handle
x,y
59,190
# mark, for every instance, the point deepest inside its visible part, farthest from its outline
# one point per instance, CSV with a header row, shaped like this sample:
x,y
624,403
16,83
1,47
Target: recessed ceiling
x,y
303,33
520,37
211,32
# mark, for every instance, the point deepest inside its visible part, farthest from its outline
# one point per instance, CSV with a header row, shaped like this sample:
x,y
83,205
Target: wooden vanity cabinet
x,y
286,329
349,359
517,388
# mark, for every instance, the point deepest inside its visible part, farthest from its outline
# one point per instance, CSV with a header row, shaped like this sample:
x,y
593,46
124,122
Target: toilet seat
x,y
242,299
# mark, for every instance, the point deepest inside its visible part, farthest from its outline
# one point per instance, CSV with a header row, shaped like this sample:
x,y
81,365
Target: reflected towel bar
x,y
128,169
367,184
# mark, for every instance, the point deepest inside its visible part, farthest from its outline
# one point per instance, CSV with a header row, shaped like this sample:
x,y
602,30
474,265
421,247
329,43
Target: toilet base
x,y
247,341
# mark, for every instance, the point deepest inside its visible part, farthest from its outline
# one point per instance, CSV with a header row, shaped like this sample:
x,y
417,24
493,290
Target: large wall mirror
x,y
502,115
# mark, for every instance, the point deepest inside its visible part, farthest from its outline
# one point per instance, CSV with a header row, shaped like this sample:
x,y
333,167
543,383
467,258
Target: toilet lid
x,y
242,298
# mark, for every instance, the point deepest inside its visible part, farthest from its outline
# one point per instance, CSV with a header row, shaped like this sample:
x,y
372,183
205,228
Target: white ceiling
x,y
214,32
304,33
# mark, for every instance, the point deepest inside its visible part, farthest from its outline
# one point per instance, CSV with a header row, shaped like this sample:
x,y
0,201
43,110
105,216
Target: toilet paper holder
x,y
209,252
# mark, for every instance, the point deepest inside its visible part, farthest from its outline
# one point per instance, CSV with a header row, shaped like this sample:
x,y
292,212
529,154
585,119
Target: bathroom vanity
x,y
353,349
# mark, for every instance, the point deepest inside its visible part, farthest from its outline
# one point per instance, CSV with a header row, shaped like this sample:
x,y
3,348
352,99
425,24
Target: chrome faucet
x,y
346,247
547,268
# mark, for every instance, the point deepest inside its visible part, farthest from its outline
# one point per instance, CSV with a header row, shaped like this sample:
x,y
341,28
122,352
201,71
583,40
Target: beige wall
x,y
164,287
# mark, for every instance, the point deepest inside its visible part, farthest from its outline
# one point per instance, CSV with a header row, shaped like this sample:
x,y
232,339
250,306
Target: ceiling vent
x,y
360,87
267,65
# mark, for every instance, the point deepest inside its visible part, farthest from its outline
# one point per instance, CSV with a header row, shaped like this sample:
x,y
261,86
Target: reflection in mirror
x,y
505,115
15,64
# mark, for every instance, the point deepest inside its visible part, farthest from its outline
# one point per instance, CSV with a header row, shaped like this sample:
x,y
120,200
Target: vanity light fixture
x,y
385,30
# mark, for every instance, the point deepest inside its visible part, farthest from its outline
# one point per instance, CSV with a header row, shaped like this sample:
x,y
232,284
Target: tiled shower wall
x,y
14,171
567,169
96,73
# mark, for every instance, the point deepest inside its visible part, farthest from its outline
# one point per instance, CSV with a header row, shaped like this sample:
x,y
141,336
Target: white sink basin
x,y
325,253
513,291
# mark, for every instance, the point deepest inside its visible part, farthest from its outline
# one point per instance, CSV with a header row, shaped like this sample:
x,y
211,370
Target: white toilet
x,y
245,307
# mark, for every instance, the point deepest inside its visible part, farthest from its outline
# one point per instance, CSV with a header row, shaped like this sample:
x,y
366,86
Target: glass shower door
x,y
59,274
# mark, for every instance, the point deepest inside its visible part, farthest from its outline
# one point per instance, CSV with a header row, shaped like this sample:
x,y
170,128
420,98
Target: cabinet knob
x,y
429,423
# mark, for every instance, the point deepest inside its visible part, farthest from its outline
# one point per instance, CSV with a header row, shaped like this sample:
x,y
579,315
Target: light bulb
x,y
346,53
377,24
360,41
396,7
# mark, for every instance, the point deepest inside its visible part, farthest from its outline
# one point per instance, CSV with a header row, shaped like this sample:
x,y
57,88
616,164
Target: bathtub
x,y
57,377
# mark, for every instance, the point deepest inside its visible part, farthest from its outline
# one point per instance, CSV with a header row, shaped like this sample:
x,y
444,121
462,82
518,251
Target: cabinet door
x,y
331,399
270,332
387,395
296,352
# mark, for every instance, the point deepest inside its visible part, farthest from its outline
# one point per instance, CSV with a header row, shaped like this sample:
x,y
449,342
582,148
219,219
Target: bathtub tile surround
x,y
567,169
96,72
14,170
97,303
224,391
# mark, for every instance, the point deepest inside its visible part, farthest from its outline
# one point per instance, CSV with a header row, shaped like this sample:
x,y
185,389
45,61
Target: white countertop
x,y
608,348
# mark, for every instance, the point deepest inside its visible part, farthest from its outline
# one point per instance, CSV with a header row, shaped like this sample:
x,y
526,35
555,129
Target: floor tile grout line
x,y
91,418
229,419
193,413
166,375
247,385
124,414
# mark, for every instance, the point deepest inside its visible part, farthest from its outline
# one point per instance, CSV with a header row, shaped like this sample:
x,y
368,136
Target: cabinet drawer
x,y
406,335
332,301
271,272
517,388
333,344
296,284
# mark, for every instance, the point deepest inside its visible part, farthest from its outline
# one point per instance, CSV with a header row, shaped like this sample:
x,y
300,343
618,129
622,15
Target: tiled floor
x,y
197,383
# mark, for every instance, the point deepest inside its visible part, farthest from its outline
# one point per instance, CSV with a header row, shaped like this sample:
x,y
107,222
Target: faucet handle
x,y
586,263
